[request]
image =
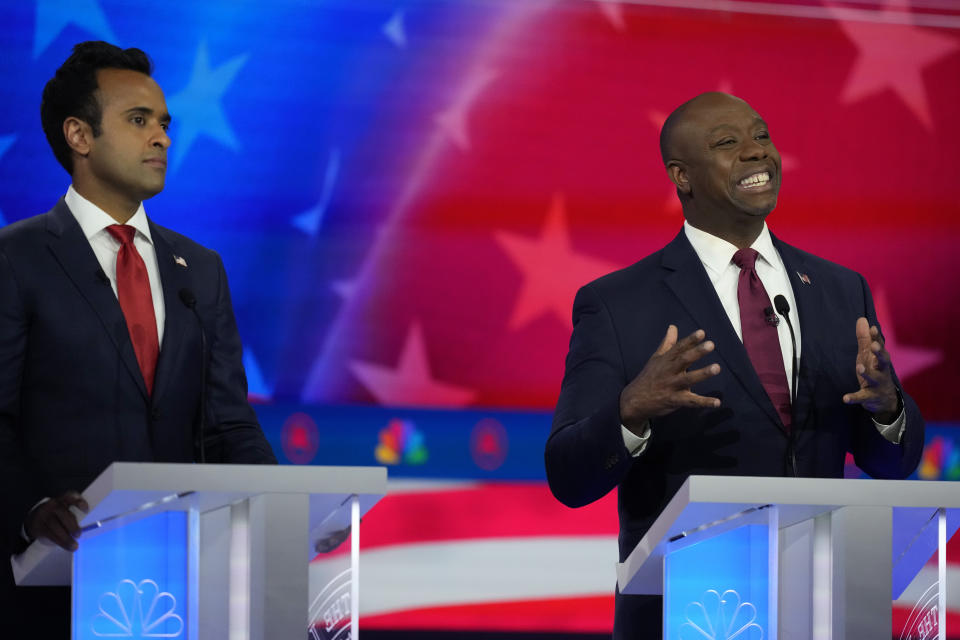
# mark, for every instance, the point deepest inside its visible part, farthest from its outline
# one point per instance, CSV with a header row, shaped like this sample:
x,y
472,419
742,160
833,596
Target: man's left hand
x,y
878,393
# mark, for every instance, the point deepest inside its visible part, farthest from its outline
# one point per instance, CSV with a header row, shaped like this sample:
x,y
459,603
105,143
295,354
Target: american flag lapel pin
x,y
804,278
183,263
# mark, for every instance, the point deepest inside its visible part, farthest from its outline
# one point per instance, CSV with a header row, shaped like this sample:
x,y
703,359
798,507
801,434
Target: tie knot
x,y
122,232
745,258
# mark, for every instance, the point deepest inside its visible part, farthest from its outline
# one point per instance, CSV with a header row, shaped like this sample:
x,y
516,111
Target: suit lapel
x,y
691,285
173,277
809,298
72,250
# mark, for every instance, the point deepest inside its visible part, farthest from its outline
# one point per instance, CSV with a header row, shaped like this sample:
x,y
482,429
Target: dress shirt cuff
x,y
893,431
635,444
23,527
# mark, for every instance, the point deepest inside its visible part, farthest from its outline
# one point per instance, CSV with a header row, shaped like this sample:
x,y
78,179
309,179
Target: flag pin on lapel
x,y
804,278
183,263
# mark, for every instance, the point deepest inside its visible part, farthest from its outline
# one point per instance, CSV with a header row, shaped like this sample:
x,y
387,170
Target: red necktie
x,y
133,291
760,335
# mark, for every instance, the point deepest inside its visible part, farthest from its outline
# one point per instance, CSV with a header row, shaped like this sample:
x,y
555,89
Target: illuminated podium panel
x,y
212,551
798,558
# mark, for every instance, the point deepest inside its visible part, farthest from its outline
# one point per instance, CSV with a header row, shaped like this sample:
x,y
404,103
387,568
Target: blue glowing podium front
x,y
213,551
752,558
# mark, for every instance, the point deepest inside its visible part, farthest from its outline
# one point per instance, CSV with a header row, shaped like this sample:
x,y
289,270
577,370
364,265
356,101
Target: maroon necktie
x,y
760,335
133,291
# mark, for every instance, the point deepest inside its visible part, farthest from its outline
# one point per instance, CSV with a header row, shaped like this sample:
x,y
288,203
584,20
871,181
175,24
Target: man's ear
x,y
677,171
78,134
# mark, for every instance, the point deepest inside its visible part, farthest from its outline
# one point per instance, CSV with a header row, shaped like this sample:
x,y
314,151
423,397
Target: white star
x,y
892,56
54,15
410,383
394,30
196,109
310,220
453,121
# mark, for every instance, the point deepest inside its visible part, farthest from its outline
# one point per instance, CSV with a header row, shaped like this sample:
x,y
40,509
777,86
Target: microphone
x,y
783,308
190,301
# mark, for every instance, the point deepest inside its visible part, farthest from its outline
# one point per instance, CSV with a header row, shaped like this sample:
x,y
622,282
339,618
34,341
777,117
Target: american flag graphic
x,y
407,194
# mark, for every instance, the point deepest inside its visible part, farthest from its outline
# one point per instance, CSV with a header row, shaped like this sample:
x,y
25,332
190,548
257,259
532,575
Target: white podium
x,y
821,559
211,551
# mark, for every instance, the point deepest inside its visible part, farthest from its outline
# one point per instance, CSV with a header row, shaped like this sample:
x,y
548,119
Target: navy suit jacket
x,y
619,321
72,398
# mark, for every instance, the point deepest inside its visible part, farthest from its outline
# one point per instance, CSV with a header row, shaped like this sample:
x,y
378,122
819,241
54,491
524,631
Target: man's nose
x,y
161,139
753,150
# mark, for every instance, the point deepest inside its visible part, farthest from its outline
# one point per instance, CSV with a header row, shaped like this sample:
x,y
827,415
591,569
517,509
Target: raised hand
x,y
55,521
663,385
878,393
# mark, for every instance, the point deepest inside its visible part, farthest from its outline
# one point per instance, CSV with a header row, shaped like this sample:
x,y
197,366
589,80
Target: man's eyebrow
x,y
757,122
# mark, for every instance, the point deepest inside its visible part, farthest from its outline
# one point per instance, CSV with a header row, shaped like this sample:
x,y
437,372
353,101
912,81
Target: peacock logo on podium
x,y
137,610
721,617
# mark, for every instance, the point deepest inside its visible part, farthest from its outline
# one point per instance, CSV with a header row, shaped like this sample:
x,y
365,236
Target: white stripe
x,y
402,577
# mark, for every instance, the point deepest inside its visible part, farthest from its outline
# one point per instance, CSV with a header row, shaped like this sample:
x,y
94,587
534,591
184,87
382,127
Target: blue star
x,y
196,109
309,221
54,15
5,143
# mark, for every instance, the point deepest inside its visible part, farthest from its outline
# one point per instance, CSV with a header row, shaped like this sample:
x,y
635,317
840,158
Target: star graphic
x,y
410,383
907,360
453,121
5,143
309,221
196,109
552,270
613,12
893,56
54,15
395,31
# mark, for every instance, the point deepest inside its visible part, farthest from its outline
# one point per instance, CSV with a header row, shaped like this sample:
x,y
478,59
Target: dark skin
x,y
116,171
719,155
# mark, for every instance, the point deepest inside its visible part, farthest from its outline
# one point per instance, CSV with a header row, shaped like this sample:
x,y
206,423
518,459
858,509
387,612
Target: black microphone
x,y
190,301
102,277
783,308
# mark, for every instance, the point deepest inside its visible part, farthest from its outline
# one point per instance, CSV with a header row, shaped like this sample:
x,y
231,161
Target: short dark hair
x,y
70,93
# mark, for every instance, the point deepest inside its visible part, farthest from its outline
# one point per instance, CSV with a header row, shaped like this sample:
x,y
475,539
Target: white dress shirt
x,y
716,254
94,222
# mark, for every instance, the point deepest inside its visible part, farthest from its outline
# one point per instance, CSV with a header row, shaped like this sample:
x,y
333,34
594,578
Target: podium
x,y
211,551
798,558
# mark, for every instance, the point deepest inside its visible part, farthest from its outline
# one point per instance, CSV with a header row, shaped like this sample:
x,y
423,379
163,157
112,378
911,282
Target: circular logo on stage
x,y
488,444
300,438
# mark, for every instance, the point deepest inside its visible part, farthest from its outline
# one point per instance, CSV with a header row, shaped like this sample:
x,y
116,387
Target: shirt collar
x,y
716,254
93,219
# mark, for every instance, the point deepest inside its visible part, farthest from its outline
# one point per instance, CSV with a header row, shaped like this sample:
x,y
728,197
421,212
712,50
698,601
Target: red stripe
x,y
580,615
486,511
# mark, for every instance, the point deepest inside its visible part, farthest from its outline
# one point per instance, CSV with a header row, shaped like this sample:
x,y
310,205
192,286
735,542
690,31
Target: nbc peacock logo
x,y
401,441
137,610
941,460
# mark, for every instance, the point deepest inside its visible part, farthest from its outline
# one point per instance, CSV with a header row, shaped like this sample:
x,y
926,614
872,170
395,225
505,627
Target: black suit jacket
x,y
619,321
72,398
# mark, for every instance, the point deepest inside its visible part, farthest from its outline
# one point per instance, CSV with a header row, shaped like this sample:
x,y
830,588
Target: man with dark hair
x,y
100,324
641,408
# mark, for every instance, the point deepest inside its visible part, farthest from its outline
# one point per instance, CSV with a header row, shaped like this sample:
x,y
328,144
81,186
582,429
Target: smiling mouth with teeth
x,y
755,180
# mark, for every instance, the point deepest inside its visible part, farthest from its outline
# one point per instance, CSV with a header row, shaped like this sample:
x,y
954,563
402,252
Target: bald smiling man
x,y
680,365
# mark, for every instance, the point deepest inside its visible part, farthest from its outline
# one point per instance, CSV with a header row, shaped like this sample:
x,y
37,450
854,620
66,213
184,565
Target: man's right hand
x,y
54,521
663,386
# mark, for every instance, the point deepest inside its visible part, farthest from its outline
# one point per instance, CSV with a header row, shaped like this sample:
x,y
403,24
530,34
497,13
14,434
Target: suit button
x,y
155,414
612,461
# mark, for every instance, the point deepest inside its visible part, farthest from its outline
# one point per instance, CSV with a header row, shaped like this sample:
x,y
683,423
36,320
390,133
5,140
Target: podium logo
x,y
401,441
721,617
137,611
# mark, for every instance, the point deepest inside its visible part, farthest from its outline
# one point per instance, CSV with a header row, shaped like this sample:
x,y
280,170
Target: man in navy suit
x,y
76,392
641,408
